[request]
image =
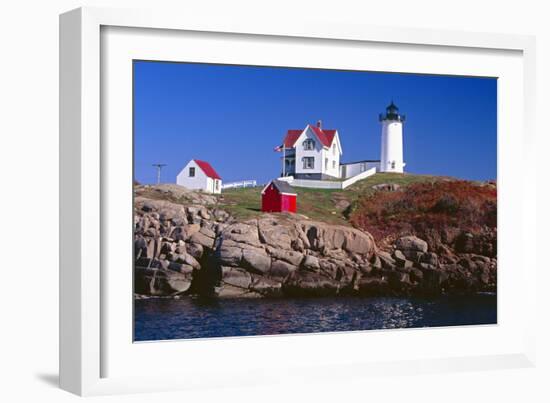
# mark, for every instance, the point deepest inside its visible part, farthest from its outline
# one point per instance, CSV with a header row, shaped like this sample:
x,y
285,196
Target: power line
x,y
159,168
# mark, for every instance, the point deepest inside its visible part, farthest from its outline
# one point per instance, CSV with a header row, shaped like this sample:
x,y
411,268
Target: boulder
x,y
187,259
208,232
325,237
289,256
167,247
386,259
179,221
399,256
388,187
194,249
311,263
342,204
191,229
236,277
280,269
405,266
153,247
255,261
314,236
275,234
375,262
204,214
159,282
308,284
242,233
411,243
180,267
402,262
140,248
229,256
178,233
413,255
201,239
160,264
220,215
359,242
429,258
265,286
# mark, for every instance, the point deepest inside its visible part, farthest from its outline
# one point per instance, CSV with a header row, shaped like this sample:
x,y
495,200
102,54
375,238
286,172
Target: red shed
x,y
278,196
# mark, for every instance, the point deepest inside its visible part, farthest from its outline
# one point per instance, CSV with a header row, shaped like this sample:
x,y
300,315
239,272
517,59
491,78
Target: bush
x,y
423,207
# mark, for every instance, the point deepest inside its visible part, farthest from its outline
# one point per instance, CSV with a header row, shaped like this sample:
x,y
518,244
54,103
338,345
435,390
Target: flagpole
x,y
284,156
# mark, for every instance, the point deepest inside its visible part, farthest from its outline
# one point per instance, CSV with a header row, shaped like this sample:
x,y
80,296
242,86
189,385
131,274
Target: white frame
x,y
81,306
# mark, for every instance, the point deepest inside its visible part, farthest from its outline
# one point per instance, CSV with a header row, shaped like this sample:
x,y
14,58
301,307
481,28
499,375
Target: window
x,y
334,149
217,183
333,164
393,165
309,162
326,164
192,171
309,144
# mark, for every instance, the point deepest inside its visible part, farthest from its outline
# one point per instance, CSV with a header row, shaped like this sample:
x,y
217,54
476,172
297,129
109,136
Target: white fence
x,y
240,184
319,184
316,184
362,175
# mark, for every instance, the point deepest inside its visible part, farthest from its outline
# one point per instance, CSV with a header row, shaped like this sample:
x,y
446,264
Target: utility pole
x,y
159,168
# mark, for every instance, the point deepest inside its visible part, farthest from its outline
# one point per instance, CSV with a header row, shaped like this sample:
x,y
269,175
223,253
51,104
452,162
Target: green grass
x,y
242,203
328,205
365,186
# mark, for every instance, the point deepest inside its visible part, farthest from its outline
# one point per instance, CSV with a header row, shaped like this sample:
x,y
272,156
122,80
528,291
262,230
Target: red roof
x,y
325,136
291,137
207,169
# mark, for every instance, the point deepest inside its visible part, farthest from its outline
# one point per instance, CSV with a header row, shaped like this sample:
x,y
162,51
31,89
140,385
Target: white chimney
x,y
319,124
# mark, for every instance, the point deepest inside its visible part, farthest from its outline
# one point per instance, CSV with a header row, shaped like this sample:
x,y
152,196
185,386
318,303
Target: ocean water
x,y
187,318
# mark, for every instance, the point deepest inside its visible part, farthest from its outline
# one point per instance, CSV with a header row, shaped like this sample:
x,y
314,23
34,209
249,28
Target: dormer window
x,y
309,144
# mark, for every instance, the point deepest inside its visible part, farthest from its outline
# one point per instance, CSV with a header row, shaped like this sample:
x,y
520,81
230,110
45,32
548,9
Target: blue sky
x,y
233,117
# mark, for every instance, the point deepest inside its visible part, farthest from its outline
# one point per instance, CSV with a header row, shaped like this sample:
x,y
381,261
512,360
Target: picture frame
x,y
89,312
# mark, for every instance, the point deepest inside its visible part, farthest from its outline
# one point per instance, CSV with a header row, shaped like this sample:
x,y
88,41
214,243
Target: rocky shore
x,y
185,245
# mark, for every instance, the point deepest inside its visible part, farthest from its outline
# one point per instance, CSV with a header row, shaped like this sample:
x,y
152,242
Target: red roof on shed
x,y
325,136
207,169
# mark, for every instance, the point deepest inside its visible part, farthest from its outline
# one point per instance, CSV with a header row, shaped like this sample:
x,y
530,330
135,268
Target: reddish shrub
x,y
424,207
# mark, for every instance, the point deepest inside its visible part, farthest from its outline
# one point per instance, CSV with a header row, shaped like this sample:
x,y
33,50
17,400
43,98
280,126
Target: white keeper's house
x,y
200,175
314,153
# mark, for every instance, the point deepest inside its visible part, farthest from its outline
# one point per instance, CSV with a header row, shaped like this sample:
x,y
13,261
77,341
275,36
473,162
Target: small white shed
x,y
199,175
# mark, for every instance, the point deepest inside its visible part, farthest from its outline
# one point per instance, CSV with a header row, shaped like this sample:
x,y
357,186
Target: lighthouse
x,y
391,153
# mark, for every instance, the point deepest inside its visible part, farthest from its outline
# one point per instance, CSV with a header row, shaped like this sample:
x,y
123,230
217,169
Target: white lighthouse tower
x,y
391,153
